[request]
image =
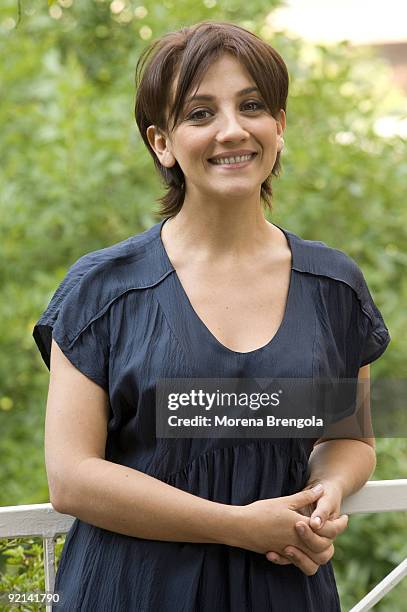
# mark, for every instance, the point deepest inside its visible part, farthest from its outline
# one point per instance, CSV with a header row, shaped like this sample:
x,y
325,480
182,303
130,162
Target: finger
x,y
278,559
307,556
321,514
312,540
306,497
332,528
302,561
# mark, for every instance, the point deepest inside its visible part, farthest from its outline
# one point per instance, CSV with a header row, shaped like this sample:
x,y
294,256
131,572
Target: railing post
x,y
382,588
49,566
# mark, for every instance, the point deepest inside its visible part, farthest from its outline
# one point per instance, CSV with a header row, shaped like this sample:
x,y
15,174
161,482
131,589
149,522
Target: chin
x,y
234,197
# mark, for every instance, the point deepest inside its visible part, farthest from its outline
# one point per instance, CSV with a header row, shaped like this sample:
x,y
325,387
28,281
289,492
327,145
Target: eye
x,y
258,104
193,116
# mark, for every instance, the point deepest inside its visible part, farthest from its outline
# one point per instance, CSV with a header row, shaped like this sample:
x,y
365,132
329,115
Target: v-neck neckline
x,y
206,331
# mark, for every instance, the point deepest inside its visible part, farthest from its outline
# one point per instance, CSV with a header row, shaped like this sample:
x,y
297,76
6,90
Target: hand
x,y
309,563
269,524
323,520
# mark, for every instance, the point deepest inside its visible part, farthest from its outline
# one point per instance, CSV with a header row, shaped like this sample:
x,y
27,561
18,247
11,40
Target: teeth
x,y
232,160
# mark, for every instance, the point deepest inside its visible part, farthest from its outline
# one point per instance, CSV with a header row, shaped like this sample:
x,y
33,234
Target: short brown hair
x,y
189,52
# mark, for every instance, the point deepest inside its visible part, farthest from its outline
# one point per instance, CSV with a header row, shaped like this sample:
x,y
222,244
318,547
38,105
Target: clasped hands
x,y
322,523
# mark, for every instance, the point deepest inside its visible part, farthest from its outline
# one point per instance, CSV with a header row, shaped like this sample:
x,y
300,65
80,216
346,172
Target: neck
x,y
218,234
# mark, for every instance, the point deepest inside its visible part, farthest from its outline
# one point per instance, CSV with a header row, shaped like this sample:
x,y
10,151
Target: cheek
x,y
267,132
270,138
198,146
196,143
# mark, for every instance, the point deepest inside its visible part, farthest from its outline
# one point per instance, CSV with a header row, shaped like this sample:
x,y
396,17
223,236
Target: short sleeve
x,y
373,334
78,326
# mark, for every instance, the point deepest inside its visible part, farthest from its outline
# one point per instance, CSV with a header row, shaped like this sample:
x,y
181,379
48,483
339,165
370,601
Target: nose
x,y
231,128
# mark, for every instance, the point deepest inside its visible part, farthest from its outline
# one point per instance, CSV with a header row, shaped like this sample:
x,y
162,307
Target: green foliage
x,y
22,569
75,177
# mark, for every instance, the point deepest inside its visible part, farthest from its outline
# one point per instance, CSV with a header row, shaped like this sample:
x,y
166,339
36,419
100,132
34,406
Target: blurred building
x,y
396,54
371,23
361,22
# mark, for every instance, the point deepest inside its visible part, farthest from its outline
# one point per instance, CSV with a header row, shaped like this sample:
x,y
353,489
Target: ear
x,y
280,125
161,145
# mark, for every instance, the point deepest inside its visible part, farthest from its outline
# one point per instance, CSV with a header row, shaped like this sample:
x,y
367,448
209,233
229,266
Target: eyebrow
x,y
242,92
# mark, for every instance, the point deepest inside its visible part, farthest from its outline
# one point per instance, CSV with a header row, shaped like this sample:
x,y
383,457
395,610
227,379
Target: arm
x,y
344,464
112,496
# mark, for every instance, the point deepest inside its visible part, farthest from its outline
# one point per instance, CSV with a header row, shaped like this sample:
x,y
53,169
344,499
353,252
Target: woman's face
x,y
225,122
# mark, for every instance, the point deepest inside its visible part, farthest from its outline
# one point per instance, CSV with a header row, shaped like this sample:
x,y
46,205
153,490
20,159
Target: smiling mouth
x,y
240,164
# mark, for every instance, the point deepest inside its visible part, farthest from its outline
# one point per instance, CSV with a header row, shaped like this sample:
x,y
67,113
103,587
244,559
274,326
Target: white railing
x,y
379,496
42,520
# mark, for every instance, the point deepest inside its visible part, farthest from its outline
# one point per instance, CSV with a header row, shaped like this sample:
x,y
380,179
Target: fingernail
x,y
317,521
301,529
289,554
318,488
272,557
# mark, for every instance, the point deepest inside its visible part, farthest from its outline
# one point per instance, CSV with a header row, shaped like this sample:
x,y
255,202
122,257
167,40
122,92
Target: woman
x,y
212,291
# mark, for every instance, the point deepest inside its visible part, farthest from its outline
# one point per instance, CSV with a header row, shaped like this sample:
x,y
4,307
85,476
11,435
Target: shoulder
x,y
317,258
129,261
343,285
98,278
334,268
134,263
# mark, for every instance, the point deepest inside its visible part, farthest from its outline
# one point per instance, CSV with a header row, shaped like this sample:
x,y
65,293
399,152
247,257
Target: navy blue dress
x,y
122,317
